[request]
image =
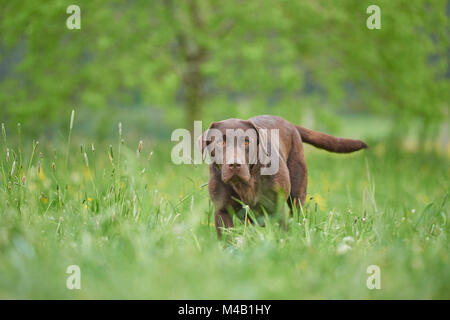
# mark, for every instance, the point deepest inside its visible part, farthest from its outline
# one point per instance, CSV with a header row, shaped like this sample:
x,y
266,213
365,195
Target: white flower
x,y
343,248
348,240
239,241
345,245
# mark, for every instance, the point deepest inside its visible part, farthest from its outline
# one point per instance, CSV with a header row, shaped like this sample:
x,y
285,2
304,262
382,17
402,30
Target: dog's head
x,y
234,147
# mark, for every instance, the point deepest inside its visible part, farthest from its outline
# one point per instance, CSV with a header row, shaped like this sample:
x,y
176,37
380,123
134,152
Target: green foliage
x,y
209,59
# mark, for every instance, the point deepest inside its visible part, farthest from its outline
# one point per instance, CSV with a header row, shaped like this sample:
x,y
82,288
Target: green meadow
x,y
139,226
95,196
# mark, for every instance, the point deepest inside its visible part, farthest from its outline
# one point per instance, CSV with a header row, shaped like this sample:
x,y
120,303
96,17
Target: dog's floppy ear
x,y
263,140
202,140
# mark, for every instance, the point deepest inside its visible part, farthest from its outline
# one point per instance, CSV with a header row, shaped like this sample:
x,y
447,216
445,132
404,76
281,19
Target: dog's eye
x,y
220,143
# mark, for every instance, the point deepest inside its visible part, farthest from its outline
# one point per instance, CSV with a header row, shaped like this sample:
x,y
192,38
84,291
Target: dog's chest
x,y
256,196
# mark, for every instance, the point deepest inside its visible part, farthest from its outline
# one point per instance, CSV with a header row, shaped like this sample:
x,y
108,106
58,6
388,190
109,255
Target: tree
x,y
224,58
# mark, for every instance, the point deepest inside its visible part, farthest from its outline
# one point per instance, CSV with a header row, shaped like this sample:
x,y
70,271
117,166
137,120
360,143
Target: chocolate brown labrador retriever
x,y
237,170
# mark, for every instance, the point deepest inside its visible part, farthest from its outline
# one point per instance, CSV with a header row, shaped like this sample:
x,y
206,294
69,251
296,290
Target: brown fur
x,y
244,182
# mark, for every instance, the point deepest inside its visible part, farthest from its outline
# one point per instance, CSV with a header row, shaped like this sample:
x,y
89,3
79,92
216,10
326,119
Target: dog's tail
x,y
330,143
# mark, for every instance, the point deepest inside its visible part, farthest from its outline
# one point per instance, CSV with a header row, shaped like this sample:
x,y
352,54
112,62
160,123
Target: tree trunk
x,y
193,82
195,56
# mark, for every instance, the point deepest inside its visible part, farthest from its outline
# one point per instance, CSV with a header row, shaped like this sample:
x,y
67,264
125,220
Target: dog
x,y
236,178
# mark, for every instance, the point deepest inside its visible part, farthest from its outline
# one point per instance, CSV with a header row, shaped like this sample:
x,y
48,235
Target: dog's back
x,y
315,138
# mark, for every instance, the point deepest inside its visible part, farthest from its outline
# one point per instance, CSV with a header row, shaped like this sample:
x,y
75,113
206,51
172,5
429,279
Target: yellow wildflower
x,y
41,175
321,202
87,173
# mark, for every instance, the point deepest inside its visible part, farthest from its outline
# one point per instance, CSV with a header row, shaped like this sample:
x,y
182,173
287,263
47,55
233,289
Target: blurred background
x,y
140,226
158,65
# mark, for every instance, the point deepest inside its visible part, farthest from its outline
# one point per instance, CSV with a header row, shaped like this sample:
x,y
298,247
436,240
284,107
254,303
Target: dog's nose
x,y
234,165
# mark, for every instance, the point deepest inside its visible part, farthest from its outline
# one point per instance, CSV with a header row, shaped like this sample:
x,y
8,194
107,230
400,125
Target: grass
x,y
139,226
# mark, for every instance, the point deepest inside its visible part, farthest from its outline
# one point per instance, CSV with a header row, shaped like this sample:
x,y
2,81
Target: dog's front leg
x,y
222,220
